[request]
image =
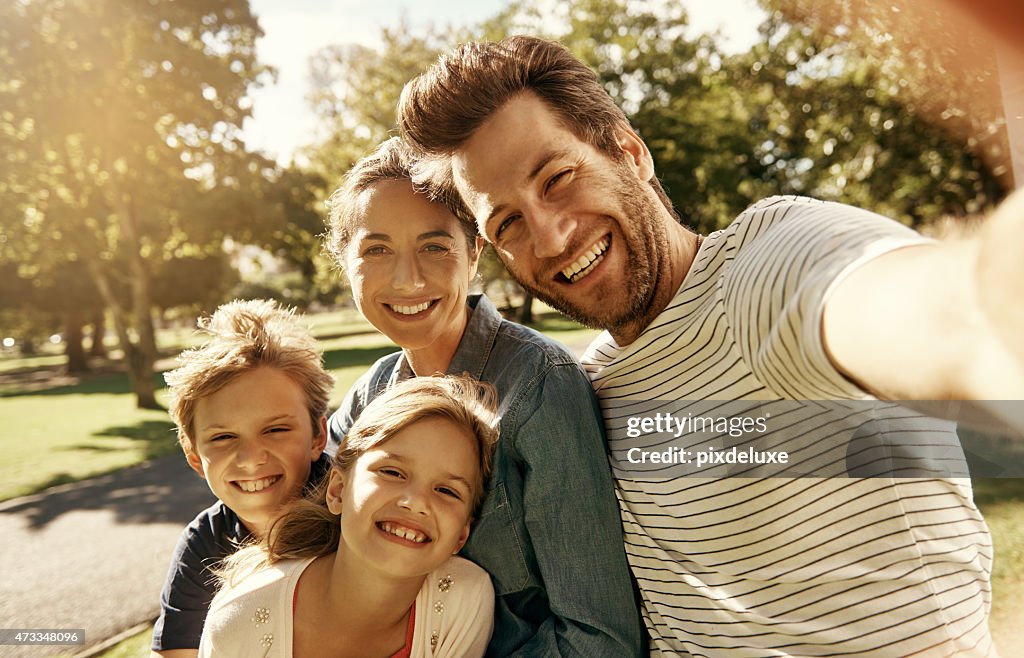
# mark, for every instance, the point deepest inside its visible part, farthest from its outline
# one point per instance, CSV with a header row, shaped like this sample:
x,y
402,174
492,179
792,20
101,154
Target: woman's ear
x,y
638,157
335,488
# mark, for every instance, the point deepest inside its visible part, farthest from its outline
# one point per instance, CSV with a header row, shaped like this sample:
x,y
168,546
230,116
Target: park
x,y
132,203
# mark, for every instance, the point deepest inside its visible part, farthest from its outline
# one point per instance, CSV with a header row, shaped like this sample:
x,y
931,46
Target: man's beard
x,y
648,239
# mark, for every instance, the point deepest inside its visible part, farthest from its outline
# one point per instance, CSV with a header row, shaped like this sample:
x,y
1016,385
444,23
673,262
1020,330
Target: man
x,y
796,300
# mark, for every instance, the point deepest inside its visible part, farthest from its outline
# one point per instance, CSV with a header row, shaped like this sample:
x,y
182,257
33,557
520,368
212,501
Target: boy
x,y
250,408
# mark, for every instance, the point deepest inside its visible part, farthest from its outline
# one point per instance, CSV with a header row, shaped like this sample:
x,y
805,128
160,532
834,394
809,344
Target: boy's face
x,y
254,443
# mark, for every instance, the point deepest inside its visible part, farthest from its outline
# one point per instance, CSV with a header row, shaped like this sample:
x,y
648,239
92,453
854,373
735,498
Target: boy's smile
x,y
255,443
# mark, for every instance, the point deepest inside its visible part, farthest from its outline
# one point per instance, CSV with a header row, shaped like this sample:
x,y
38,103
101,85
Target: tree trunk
x,y
140,371
526,310
73,349
99,330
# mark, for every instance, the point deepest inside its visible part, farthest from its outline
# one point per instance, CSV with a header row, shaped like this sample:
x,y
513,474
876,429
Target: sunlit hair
x,y
443,107
243,336
307,528
391,161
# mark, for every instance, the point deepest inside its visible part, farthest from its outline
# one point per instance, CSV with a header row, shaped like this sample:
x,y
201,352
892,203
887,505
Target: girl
x,y
364,566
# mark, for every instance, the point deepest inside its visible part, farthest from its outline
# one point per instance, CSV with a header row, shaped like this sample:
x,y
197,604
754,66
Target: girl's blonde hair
x,y
307,528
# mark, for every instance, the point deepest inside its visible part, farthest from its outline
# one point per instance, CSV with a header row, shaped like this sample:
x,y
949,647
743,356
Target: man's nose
x,y
551,231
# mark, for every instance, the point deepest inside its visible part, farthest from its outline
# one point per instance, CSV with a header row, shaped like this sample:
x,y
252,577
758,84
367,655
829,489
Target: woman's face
x,y
410,264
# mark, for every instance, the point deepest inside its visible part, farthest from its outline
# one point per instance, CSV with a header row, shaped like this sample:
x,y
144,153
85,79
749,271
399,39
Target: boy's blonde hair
x,y
243,336
307,528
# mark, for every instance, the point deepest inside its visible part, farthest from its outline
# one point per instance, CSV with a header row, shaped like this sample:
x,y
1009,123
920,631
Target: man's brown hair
x,y
442,108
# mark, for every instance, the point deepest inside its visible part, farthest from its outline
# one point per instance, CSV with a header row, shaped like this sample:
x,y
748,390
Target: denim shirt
x,y
549,532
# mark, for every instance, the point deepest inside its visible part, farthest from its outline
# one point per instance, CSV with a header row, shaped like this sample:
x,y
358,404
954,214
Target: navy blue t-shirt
x,y
213,535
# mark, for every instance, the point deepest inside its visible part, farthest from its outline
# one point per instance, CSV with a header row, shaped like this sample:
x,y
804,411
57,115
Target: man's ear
x,y
195,462
638,157
319,439
335,488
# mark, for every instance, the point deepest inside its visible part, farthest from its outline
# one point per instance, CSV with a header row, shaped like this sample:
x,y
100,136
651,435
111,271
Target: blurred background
x,y
158,158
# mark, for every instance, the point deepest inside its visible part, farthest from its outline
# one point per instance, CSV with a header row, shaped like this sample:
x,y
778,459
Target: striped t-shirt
x,y
782,566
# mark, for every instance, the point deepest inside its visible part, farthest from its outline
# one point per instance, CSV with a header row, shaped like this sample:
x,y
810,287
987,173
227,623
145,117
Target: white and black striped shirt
x,y
784,566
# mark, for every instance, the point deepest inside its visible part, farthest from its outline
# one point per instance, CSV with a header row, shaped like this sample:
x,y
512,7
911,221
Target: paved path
x,y
94,554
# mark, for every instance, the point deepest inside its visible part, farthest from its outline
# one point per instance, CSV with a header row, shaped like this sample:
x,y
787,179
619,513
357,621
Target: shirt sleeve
x,y
188,590
572,518
791,254
470,618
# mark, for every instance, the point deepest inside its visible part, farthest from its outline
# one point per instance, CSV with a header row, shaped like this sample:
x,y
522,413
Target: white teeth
x,y
403,532
585,263
409,310
253,486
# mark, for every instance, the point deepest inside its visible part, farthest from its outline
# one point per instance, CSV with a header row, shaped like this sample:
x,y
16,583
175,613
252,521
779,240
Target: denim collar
x,y
475,347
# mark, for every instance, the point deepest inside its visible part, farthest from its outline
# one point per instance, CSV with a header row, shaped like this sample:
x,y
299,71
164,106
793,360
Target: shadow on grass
x,y
347,357
110,384
159,490
994,491
164,490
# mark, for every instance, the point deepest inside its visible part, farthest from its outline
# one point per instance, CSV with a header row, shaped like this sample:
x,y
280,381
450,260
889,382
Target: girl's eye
x,y
221,437
392,472
278,429
448,491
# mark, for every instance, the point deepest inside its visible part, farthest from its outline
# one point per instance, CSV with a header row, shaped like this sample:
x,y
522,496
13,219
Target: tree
x,y
118,120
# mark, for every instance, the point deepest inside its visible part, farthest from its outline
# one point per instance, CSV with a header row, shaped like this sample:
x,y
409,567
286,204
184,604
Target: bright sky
x,y
295,29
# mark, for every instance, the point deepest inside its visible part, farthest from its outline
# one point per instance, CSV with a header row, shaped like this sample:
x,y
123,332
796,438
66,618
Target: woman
x,y
549,530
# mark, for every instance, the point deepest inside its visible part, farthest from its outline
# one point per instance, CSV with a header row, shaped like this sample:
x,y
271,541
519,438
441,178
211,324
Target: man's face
x,y
583,232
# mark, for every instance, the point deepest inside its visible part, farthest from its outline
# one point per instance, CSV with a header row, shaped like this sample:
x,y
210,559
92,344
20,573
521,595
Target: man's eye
x,y
557,178
505,225
374,251
436,248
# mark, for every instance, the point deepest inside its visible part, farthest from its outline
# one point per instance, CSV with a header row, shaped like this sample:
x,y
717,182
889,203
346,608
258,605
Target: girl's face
x,y
405,504
409,264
